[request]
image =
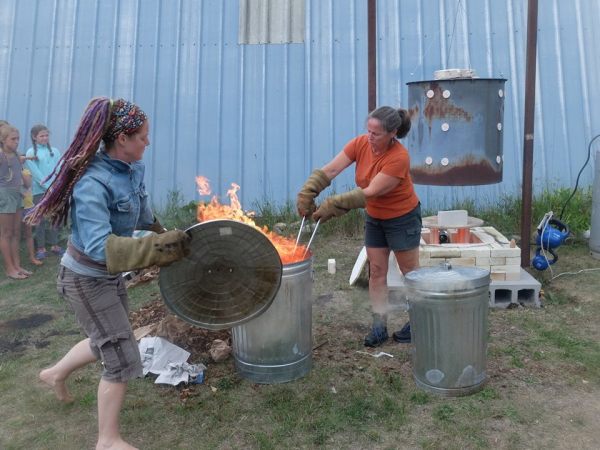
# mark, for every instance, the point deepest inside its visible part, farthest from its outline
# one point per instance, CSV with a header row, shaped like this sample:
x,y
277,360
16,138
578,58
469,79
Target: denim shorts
x,y
101,308
397,234
11,200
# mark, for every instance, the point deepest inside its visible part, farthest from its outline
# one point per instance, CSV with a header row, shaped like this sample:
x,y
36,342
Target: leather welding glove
x,y
126,253
338,205
305,201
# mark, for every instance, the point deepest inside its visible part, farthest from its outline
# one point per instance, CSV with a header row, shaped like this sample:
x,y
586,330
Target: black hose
x,y
579,175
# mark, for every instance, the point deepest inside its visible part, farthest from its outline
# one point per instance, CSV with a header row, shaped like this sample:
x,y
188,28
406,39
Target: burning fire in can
x,y
287,249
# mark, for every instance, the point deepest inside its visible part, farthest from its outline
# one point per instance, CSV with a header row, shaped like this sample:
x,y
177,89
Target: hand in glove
x,y
305,201
126,253
157,227
338,205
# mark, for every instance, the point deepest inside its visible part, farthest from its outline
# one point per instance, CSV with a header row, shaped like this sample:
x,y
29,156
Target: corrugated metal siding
x,y
271,21
264,115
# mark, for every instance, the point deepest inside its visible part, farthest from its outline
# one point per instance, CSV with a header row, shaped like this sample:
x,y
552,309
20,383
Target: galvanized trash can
x,y
276,346
448,308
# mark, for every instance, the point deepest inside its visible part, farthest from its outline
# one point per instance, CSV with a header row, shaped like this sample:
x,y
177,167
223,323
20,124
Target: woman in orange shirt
x,y
393,212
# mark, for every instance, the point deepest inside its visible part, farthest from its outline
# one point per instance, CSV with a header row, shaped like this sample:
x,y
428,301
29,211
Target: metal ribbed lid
x,y
447,278
232,275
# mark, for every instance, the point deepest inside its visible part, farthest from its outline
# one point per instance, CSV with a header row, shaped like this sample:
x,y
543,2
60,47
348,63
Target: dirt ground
x,y
543,388
555,400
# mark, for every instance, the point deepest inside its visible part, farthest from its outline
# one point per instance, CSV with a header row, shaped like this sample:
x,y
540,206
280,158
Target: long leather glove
x,y
126,253
305,201
338,205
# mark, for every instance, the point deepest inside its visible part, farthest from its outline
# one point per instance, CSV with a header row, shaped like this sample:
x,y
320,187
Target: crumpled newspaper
x,y
169,362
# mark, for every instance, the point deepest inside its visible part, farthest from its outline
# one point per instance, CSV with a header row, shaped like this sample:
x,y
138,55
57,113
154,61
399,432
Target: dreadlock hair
x,y
96,124
35,130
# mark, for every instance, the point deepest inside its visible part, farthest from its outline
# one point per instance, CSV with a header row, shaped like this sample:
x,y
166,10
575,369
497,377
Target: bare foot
x,y
118,444
58,386
25,272
36,262
16,275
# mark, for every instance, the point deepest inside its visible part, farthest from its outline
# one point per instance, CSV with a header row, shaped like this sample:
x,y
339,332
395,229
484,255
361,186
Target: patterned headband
x,y
125,117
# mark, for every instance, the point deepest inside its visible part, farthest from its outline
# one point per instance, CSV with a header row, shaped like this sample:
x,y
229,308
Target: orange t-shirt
x,y
394,162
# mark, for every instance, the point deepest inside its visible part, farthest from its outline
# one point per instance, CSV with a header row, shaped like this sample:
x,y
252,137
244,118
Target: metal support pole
x,y
372,50
530,68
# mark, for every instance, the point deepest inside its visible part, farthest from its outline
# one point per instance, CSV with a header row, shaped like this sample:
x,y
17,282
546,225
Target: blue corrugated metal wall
x,y
264,115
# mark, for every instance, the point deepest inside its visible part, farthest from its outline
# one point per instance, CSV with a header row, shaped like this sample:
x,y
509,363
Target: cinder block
x,y
516,261
524,291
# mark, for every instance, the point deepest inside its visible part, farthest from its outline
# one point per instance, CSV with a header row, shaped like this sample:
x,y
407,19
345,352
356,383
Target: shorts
x,y
397,234
10,200
101,307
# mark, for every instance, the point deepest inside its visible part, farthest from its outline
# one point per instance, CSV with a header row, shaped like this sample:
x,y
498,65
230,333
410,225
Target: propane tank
x,y
595,225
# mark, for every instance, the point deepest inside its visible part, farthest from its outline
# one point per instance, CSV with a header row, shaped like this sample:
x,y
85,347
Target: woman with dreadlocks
x,y
103,190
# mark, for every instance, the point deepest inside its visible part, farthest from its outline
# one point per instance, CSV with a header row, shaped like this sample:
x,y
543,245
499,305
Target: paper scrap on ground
x,y
376,355
168,361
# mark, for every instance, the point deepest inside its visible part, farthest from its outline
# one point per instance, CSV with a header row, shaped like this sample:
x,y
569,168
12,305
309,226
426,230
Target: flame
x,y
203,185
214,210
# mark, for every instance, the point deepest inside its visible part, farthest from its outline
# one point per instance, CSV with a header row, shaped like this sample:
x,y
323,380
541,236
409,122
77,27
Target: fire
x,y
214,210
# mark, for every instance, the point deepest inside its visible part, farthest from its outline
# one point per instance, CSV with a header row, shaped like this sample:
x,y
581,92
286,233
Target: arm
x,y
26,178
32,165
381,184
334,167
92,217
319,180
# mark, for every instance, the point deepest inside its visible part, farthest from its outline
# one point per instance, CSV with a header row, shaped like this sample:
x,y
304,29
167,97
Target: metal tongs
x,y
311,236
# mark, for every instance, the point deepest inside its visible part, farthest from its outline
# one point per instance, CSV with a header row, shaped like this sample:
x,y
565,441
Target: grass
x,y
543,367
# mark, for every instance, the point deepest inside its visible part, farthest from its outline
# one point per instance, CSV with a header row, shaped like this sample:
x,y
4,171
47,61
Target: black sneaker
x,y
376,337
402,336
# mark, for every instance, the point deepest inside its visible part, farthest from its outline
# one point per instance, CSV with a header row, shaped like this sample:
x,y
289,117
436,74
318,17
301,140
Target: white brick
x,y
507,269
461,261
445,252
498,276
484,237
513,261
507,252
483,261
475,252
497,235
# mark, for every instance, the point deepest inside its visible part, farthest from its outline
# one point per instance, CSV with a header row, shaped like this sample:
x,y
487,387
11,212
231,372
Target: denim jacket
x,y
110,198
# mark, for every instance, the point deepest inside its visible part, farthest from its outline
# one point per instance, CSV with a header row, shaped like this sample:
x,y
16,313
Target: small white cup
x,y
331,266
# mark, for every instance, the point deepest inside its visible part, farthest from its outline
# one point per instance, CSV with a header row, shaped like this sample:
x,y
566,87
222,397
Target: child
x,y
42,158
11,202
27,205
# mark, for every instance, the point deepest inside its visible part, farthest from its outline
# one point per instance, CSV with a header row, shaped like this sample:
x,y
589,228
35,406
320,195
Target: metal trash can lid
x,y
232,274
447,278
